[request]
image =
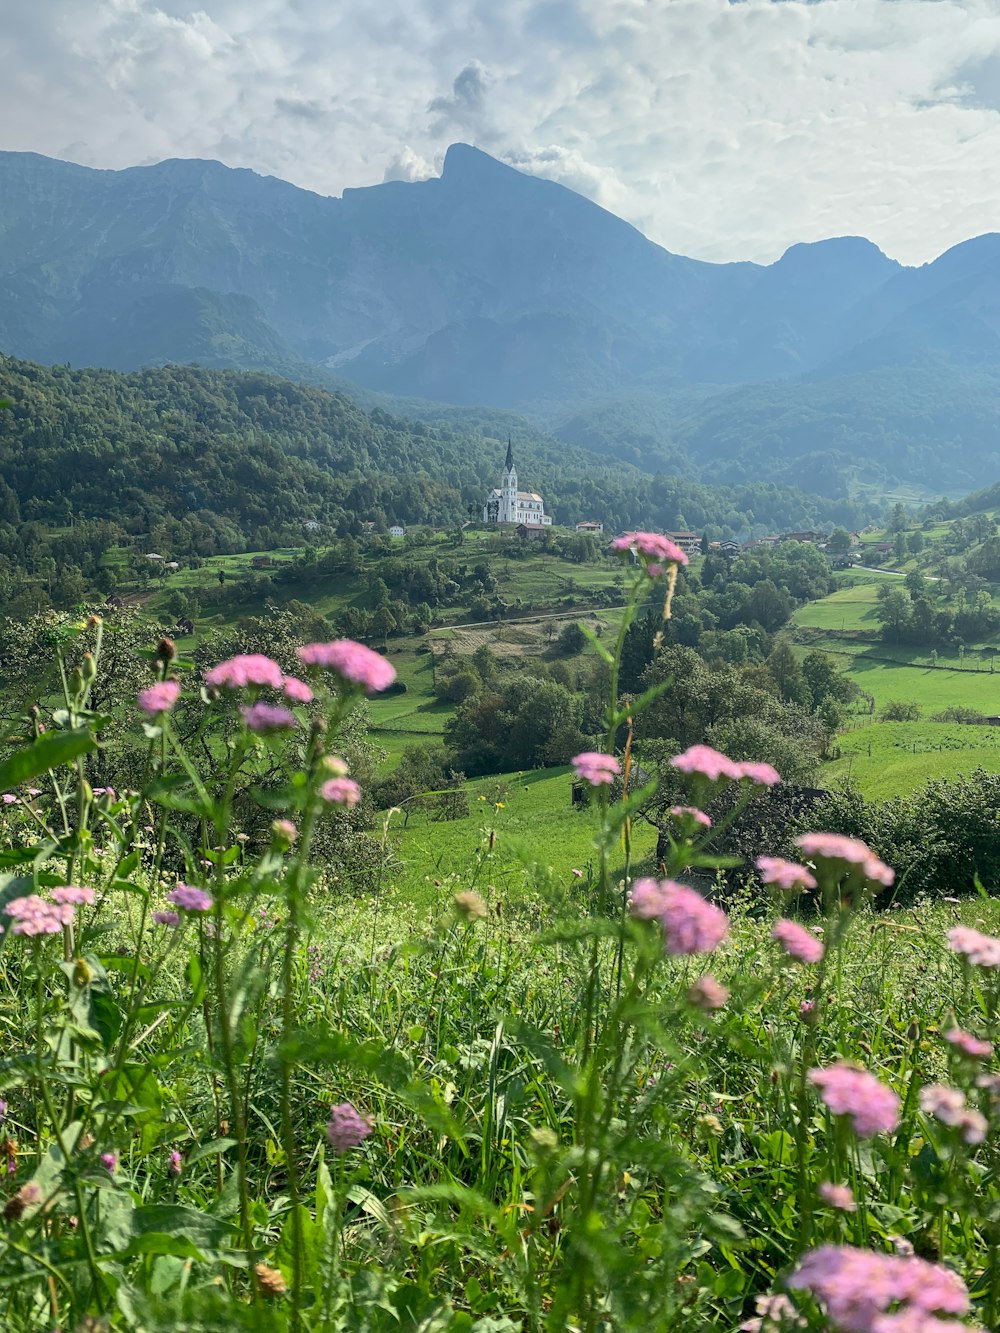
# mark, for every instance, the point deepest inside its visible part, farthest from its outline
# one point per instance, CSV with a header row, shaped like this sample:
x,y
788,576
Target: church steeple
x,y
509,462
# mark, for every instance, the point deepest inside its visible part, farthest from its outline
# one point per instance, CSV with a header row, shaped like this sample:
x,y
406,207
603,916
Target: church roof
x,y
528,495
510,457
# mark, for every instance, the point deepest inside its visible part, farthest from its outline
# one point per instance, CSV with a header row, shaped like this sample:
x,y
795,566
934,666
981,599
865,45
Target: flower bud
x,y
166,651
88,667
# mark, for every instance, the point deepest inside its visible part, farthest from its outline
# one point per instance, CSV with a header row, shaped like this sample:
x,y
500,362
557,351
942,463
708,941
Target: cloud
x,y
723,130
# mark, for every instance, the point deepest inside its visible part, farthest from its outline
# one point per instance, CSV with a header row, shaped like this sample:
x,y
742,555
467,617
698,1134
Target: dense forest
x,y
251,457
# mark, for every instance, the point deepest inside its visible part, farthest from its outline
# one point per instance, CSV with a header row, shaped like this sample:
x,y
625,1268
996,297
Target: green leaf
x,y
49,751
208,1150
595,641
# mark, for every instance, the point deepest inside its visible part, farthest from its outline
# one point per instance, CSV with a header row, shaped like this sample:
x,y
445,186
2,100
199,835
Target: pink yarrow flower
x,y
262,718
353,662
167,918
797,942
238,673
296,690
33,915
837,1196
973,1047
690,923
341,791
595,768
190,899
850,851
871,1107
786,875
651,546
709,994
707,763
347,1128
858,1289
762,775
71,893
159,698
690,814
948,1105
981,950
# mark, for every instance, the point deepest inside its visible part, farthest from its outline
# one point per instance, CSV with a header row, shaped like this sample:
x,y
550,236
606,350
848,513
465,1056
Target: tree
x,y
839,542
892,611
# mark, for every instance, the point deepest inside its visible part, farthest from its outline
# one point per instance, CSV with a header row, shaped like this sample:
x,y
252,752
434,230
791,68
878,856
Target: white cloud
x,y
723,130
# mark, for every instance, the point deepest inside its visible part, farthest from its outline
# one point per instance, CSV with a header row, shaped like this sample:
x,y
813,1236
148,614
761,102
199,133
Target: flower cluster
x,y
690,814
690,923
159,698
264,718
974,1048
845,853
786,875
244,670
347,1128
982,950
703,761
595,768
34,915
797,942
190,899
653,549
948,1105
871,1107
864,1292
353,663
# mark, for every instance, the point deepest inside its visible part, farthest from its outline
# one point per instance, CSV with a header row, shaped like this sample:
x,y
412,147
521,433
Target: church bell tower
x,y
508,488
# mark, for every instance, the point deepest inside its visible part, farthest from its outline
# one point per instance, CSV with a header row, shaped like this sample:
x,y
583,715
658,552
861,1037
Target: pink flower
x,y
109,1160
244,670
797,942
70,893
175,1164
762,775
708,994
347,1128
297,690
9,798
837,1196
341,791
262,717
974,1047
858,1288
690,813
775,1314
166,918
595,768
787,875
690,923
948,1105
982,950
190,899
651,546
871,1107
352,661
851,851
709,763
159,698
35,916
109,792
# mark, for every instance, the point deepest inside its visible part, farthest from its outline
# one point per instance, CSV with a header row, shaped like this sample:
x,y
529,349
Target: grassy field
x,y
538,839
893,758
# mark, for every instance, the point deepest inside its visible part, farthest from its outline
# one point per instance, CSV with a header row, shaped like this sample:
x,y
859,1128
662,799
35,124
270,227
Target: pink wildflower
x,y
166,918
948,1105
709,994
297,690
70,893
851,851
109,1160
190,899
347,1128
775,1314
797,942
787,875
109,792
762,775
858,1288
871,1107
837,1196
690,813
35,916
974,1047
159,698
690,923
807,1010
352,661
651,546
237,673
175,1164
982,950
284,831
341,791
595,768
262,717
9,798
709,763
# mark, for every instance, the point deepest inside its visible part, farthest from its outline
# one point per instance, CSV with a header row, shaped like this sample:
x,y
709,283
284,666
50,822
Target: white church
x,y
507,504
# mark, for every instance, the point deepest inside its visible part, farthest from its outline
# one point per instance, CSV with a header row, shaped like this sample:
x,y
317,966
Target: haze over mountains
x,y
832,366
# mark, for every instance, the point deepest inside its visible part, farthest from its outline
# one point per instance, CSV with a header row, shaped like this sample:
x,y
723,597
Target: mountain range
x,y
832,368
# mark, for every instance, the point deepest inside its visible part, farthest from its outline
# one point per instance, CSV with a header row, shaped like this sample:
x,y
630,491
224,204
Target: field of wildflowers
x,y
234,1100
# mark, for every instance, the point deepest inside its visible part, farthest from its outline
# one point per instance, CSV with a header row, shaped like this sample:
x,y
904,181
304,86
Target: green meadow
x,y
888,759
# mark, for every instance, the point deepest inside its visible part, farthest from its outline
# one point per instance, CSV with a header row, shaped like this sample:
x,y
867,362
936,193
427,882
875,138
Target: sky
x,y
724,129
